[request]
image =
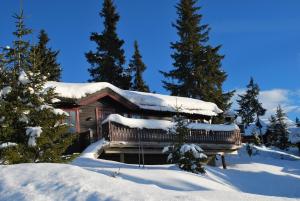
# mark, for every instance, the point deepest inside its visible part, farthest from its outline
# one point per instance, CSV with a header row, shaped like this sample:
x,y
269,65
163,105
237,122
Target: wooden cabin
x,y
102,110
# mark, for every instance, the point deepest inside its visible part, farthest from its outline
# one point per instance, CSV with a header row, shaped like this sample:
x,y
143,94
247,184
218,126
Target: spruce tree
x,y
282,128
48,65
137,67
197,69
297,121
31,129
250,109
279,129
108,59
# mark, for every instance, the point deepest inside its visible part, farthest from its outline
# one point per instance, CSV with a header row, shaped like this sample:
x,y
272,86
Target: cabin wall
x,y
91,114
87,117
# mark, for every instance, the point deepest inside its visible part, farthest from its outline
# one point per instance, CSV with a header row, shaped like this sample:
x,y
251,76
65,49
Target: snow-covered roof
x,y
148,101
164,124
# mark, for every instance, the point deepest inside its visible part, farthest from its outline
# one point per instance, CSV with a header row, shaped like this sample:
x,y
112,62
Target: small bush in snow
x,y
188,157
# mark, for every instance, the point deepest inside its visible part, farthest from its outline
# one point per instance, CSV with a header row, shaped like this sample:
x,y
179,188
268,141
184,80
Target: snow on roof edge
x,y
148,101
165,124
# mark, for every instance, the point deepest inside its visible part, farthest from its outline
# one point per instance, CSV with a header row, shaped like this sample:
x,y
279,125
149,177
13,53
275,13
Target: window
x,y
71,121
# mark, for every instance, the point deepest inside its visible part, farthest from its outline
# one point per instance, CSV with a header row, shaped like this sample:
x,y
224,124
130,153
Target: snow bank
x,y
247,178
149,101
274,153
164,124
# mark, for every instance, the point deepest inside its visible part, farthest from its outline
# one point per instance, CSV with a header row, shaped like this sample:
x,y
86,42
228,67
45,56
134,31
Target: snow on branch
x,y
7,144
6,90
33,133
23,78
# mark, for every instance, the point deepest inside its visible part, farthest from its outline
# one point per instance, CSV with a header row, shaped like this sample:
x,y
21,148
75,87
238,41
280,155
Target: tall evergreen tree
x,y
250,107
30,128
197,69
279,129
297,122
108,59
137,67
48,65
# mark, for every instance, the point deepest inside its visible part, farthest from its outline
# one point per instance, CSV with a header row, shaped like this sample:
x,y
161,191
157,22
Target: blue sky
x,y
259,38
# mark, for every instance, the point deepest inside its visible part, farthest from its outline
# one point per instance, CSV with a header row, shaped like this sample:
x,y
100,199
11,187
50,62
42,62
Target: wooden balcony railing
x,y
116,132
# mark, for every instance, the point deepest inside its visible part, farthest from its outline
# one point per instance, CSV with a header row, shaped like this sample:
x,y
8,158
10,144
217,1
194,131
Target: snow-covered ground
x,y
268,175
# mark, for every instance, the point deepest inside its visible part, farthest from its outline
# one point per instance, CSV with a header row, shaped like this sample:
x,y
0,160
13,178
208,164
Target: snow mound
x,y
148,101
256,178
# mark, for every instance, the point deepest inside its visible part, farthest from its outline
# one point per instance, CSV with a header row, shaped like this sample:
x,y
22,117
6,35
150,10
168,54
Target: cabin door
x,y
102,114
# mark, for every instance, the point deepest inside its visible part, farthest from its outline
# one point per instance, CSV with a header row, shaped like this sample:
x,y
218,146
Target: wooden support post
x,y
223,161
122,157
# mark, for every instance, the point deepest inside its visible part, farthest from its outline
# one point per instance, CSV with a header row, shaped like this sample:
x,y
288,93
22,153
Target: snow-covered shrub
x,y
188,157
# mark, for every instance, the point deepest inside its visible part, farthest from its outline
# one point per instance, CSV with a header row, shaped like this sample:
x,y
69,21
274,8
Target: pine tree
x,y
197,69
297,122
272,127
250,107
108,60
137,67
30,127
282,128
48,65
279,129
